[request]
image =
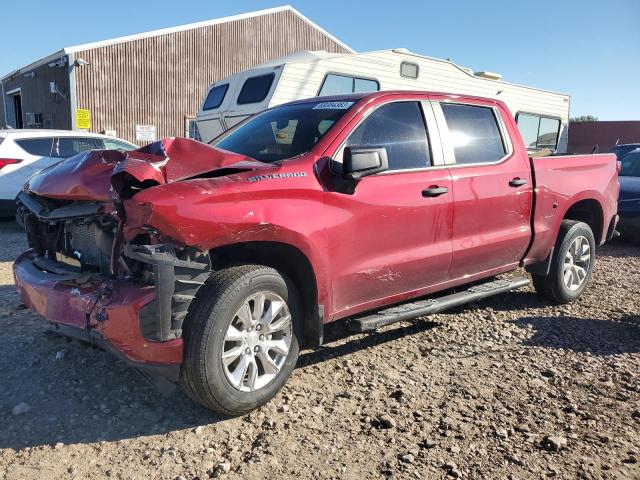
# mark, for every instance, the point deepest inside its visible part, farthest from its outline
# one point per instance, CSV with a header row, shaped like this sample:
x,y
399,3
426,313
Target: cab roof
x,y
356,97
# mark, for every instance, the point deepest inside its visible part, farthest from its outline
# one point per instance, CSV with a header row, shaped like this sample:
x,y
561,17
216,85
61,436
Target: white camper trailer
x,y
542,116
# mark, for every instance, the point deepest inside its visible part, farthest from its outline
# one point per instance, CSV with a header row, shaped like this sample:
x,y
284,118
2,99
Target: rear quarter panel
x,y
563,181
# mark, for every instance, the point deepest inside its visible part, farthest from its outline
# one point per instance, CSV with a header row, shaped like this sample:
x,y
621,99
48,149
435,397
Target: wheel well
x,y
286,259
589,212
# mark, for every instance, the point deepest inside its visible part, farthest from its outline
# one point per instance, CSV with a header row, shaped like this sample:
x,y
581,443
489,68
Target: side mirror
x,y
358,162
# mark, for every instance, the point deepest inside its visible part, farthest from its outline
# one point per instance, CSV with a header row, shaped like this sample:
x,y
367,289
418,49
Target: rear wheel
x,y
571,265
240,339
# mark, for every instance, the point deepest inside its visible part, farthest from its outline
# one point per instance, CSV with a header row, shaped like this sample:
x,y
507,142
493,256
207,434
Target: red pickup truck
x,y
209,266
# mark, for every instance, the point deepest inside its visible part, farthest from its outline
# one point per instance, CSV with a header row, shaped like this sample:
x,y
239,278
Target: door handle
x,y
517,182
434,191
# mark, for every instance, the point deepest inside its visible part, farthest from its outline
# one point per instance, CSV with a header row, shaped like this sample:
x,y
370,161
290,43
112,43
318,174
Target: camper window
x,y
538,132
255,89
409,70
365,85
335,84
215,97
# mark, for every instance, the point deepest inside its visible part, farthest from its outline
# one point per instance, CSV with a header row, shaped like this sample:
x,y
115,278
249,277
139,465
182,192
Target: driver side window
x,y
400,128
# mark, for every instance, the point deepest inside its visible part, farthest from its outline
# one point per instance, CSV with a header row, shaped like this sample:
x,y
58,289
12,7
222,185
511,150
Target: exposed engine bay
x,y
83,242
77,227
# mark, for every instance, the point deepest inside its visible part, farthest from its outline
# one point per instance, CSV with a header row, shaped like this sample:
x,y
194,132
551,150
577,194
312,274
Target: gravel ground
x,y
506,388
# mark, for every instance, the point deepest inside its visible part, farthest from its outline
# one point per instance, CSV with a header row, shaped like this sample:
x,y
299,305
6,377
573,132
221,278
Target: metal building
x,y
146,86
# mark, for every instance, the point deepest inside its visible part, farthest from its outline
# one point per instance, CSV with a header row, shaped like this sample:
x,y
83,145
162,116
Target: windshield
x,y
630,165
284,132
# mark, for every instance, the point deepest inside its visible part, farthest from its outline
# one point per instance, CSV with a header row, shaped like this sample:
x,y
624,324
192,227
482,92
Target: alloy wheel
x,y
257,341
577,262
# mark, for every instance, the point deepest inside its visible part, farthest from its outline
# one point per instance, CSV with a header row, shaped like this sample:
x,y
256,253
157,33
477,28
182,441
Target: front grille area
x,y
77,234
88,243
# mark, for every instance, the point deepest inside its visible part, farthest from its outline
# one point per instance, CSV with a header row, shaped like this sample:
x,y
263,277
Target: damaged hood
x,y
102,175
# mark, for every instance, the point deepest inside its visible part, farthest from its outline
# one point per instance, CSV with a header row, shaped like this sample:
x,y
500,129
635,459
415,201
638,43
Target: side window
x,y
255,89
116,145
70,146
474,132
36,146
538,132
215,97
400,128
335,84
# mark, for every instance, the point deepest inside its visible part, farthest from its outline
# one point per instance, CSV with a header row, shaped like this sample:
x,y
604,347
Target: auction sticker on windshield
x,y
333,105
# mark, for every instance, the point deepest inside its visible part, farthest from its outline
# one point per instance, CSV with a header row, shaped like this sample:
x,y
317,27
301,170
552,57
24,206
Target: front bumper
x,y
98,310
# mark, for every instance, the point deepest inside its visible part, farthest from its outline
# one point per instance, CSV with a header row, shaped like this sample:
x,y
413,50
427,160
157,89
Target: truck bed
x,y
560,182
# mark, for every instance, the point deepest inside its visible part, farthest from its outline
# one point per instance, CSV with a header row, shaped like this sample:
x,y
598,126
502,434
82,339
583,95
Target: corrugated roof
x,y
164,31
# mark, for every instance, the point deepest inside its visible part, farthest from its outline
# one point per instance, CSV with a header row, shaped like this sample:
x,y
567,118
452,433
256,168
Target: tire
x,y
554,286
218,323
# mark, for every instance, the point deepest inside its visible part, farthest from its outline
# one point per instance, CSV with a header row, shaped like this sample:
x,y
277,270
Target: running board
x,y
420,308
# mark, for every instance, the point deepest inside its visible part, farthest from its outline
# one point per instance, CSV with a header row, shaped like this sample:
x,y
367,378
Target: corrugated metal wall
x,y
160,80
37,97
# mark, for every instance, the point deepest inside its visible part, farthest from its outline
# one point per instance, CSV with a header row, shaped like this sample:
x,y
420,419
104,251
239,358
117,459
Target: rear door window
x,y
398,127
70,146
36,146
474,132
215,97
255,89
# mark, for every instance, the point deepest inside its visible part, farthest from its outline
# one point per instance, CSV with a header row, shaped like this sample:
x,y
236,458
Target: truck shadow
x,y
620,248
79,394
338,343
594,336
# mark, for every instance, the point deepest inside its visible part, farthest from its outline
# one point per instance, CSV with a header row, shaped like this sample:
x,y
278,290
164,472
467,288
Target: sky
x,y
589,49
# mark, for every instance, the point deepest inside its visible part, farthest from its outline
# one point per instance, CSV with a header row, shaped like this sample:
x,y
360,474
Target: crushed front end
x,y
98,268
130,298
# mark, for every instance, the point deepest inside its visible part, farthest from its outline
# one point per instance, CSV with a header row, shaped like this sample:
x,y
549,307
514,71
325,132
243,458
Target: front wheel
x,y
241,343
571,265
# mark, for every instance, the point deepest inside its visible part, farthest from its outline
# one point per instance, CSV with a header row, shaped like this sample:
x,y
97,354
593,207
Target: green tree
x,y
584,118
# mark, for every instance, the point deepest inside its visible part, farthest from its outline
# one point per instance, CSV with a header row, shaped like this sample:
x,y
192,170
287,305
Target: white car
x,y
25,152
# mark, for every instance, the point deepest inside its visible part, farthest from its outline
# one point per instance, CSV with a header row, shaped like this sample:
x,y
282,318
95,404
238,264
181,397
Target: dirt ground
x,y
509,388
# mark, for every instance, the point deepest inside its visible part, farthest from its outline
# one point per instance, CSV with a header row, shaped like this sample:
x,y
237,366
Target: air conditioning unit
x,y
33,120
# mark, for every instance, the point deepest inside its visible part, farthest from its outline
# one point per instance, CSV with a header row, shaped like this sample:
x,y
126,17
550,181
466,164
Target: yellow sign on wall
x,y
83,119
